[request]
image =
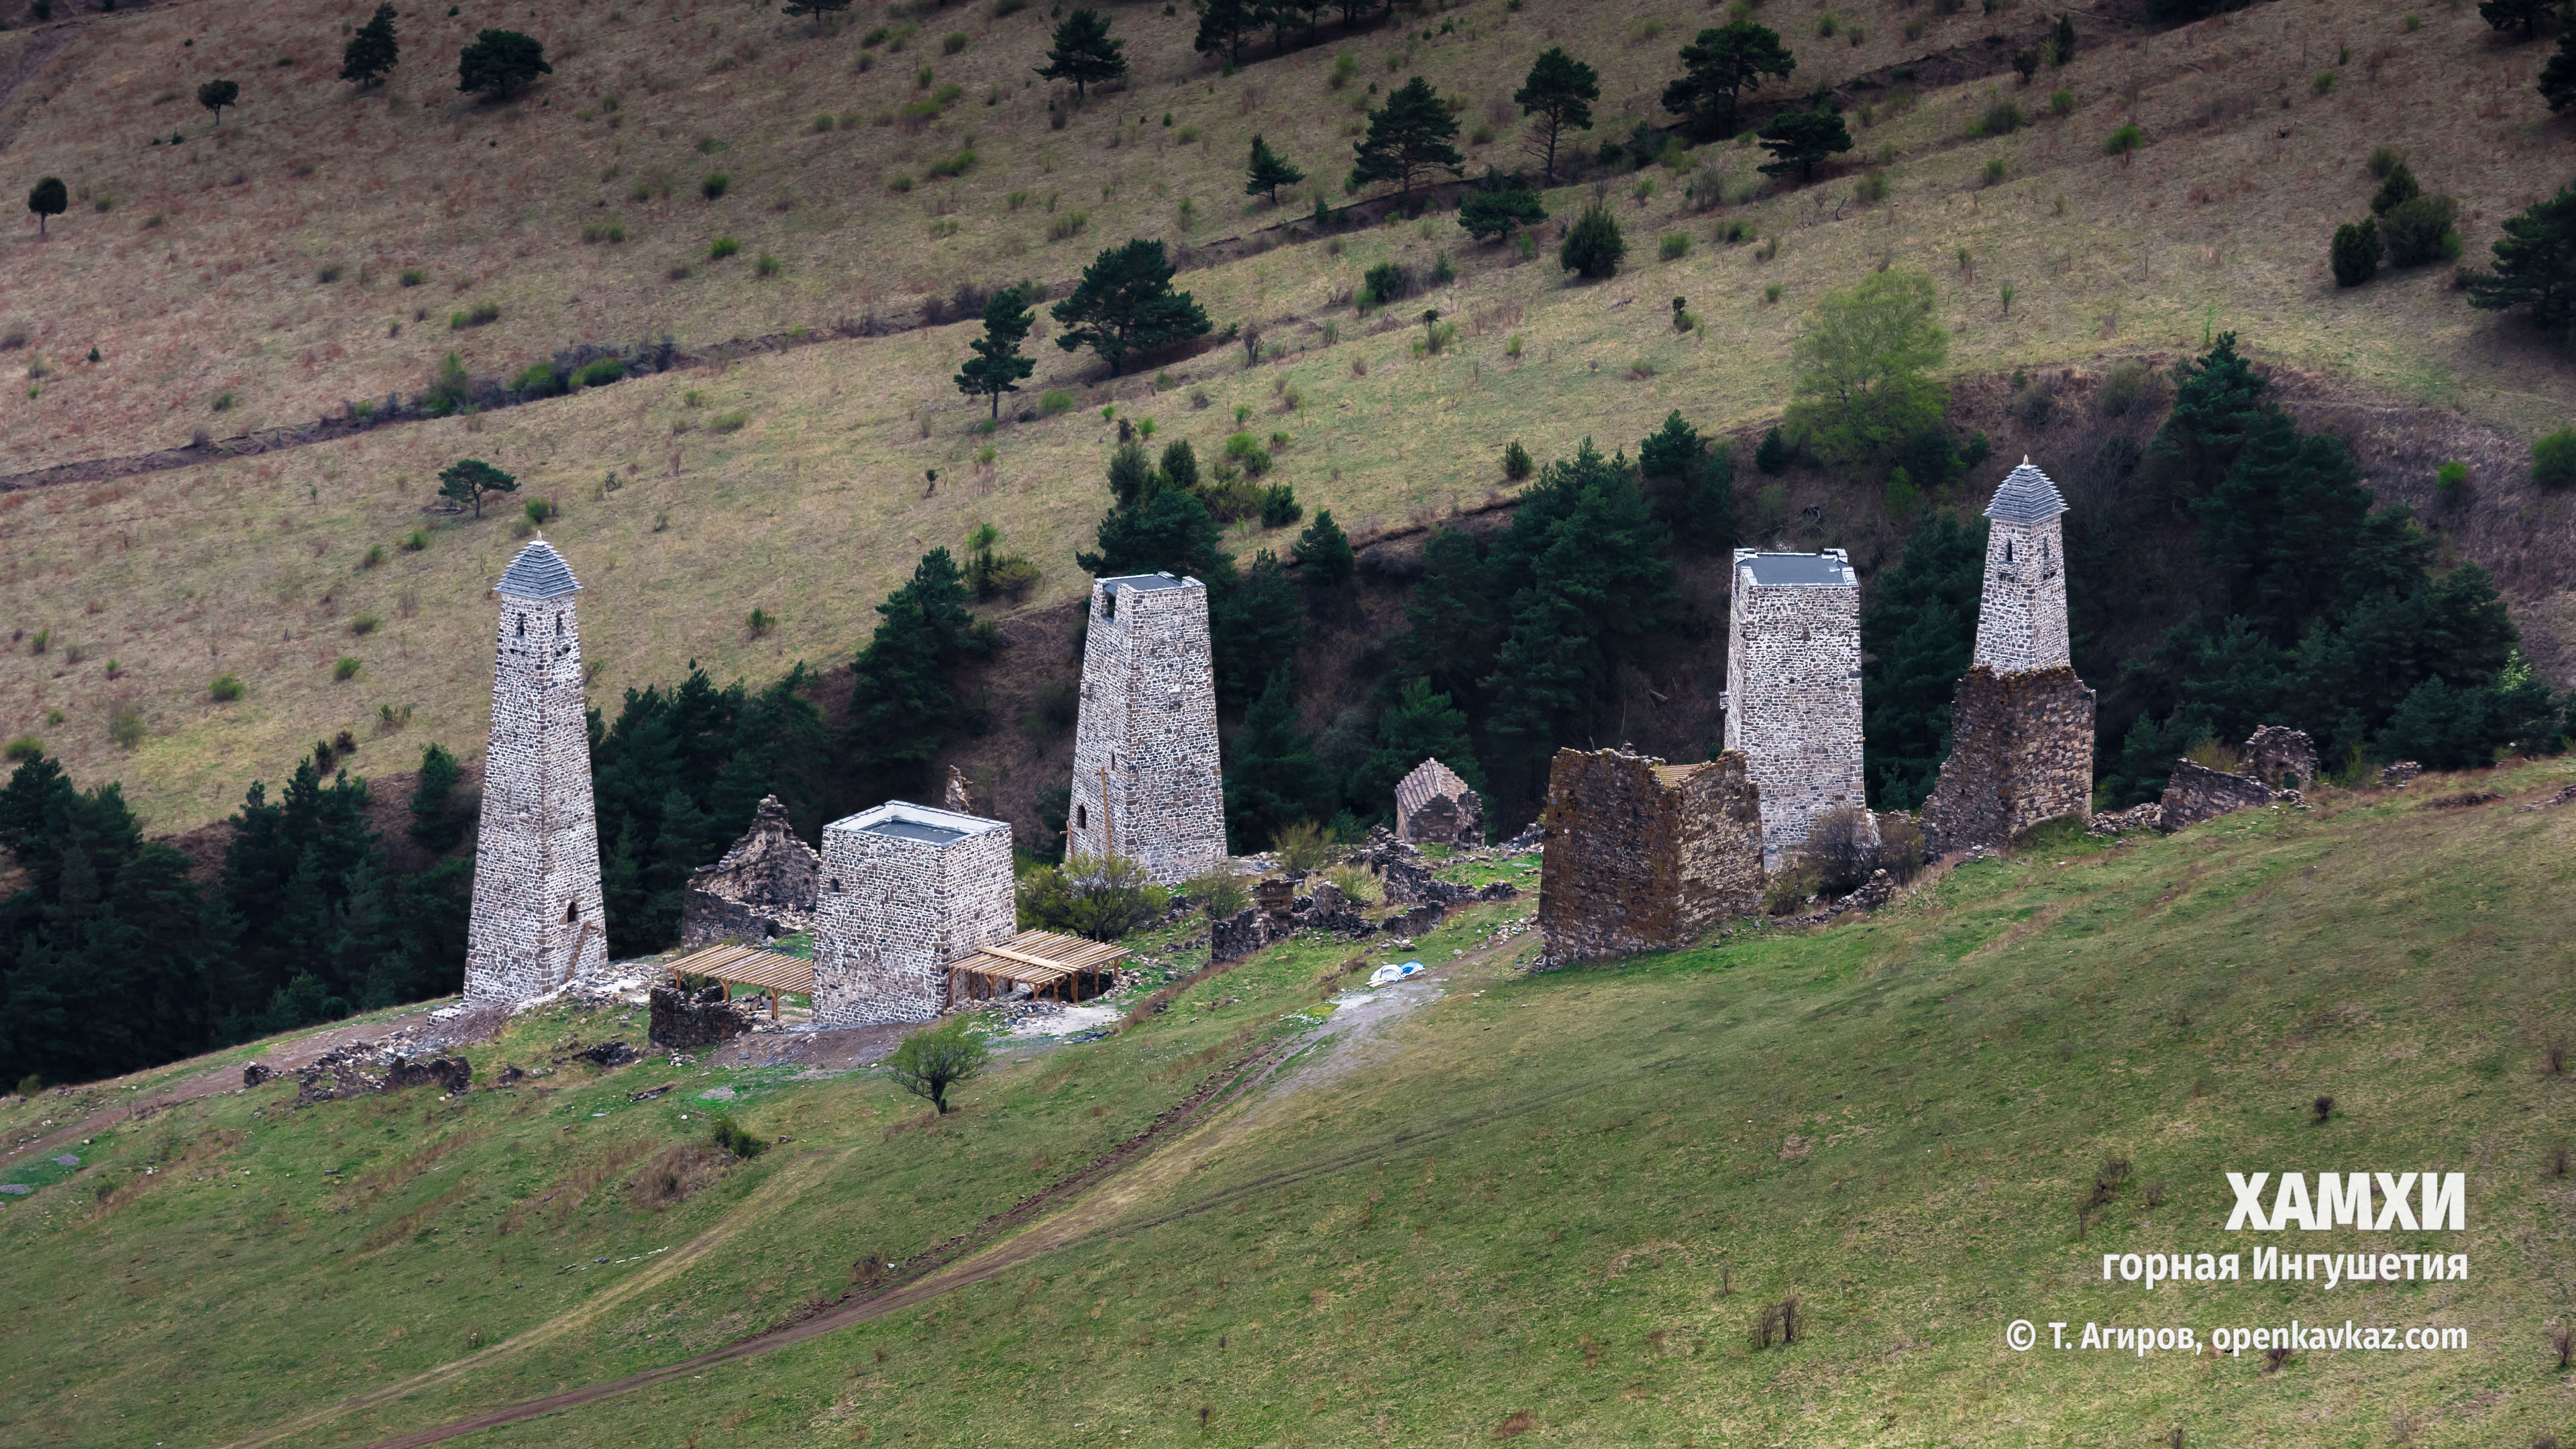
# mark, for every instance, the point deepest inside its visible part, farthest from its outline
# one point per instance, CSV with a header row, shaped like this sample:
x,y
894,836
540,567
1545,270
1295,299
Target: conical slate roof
x,y
2026,497
539,573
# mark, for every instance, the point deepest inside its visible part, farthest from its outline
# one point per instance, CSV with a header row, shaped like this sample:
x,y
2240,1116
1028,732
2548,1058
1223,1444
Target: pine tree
x,y
997,366
1453,629
48,198
2216,399
1592,246
434,821
1124,303
1558,94
2558,77
1222,26
1267,172
1271,778
2507,14
903,696
499,62
816,8
1799,139
371,52
2535,267
1323,551
1255,625
467,480
1419,723
1408,138
1491,213
2355,253
215,95
1916,639
1083,53
1162,530
2398,188
1715,70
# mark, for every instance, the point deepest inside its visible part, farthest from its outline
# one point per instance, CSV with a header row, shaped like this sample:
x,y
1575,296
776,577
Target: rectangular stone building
x,y
2021,726
1645,856
1147,783
1793,688
1432,803
538,919
906,890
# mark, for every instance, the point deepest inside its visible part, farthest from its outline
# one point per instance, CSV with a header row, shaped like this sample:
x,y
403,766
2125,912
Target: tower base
x,y
2021,751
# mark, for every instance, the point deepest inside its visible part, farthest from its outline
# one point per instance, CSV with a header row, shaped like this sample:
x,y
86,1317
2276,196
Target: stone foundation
x,y
2197,793
2021,751
764,887
1645,856
688,1019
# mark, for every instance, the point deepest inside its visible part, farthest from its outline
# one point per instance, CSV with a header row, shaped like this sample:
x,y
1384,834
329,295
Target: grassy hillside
x,y
1548,1202
792,480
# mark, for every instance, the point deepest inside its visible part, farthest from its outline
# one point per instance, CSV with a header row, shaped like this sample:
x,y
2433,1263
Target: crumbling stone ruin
x,y
2196,793
683,1018
2398,775
2281,757
1792,696
1433,804
958,799
906,890
1278,912
363,1069
538,917
1645,856
764,886
2021,725
1146,780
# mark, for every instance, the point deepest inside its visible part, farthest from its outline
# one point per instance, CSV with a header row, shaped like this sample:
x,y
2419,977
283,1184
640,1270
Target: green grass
x,y
1522,1198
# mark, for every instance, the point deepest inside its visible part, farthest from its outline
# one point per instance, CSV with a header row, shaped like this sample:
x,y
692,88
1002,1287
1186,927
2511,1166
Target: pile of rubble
x,y
1405,880
363,1069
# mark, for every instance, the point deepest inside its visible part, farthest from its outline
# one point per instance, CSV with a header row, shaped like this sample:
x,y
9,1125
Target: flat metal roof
x,y
1774,569
1144,582
915,830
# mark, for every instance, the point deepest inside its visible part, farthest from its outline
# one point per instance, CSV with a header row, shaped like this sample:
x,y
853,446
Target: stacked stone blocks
x,y
1646,856
1793,709
1147,783
538,920
906,890
2021,725
1432,803
764,886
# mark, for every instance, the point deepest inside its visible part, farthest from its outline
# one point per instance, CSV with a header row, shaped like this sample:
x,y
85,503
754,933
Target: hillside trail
x,y
1103,1200
282,1057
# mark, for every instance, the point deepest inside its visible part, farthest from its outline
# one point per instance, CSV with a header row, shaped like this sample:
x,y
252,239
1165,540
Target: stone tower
x,y
2021,622
906,890
1146,782
538,920
1793,688
2021,726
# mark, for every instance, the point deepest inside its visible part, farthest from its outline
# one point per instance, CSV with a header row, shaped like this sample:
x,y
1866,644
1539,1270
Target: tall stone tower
x,y
538,919
1146,781
906,890
2021,622
2021,726
1793,688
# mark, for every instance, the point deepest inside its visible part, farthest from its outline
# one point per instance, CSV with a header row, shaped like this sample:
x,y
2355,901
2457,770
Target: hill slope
x,y
1543,1202
791,480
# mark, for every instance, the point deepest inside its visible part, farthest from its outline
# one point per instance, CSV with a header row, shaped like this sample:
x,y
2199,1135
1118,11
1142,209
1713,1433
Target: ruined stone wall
x,y
2021,751
1645,856
2196,793
1793,700
538,919
2281,757
1146,779
895,911
764,886
1433,803
2021,618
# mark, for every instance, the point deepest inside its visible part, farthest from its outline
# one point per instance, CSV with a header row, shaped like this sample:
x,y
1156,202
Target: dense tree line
x,y
113,958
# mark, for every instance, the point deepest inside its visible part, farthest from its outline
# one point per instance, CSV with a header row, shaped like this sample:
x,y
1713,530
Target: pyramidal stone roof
x,y
539,573
2026,497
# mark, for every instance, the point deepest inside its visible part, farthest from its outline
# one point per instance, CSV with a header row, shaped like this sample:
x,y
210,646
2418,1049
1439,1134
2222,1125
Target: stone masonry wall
x,y
538,919
2197,793
2021,751
1645,856
2021,618
1433,803
1146,779
895,911
763,886
1793,700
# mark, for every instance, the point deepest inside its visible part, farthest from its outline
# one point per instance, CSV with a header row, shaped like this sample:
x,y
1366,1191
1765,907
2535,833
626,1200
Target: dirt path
x,y
1099,1201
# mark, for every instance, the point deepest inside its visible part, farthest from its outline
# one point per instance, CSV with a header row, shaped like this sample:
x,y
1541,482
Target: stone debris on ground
x,y
366,1068
2565,794
2396,776
1405,880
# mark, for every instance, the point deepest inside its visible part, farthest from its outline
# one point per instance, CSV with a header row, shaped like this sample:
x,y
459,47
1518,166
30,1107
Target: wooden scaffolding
x,y
775,972
1057,968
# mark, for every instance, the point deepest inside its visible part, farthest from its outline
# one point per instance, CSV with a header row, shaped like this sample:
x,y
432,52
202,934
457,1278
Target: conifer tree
x,y
1267,172
1557,95
48,198
1083,53
997,366
2535,267
1798,139
1408,138
1324,552
1715,70
1271,778
1125,302
371,52
1222,26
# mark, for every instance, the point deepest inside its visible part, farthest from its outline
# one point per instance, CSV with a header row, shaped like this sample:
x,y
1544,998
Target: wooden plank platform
x,y
770,971
1067,968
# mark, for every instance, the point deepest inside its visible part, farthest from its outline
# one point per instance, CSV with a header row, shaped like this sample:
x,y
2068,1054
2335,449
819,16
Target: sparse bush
x,y
600,373
2553,458
1303,845
2449,478
723,247
415,541
345,668
1673,247
727,422
125,724
2322,1109
2123,141
226,688
2418,230
27,747
540,511
1101,898
2128,383
1219,893
363,625
1384,283
2001,117
729,1137
2383,159
412,277
1054,401
1279,506
766,266
2061,103
936,1060
713,187
481,314
2355,254
1995,171
539,380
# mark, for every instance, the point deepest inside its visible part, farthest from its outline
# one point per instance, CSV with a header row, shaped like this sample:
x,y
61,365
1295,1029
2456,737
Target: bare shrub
x,y
1779,1322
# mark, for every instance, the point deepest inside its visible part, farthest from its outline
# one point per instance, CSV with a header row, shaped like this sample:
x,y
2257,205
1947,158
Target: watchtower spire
x,y
2021,621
